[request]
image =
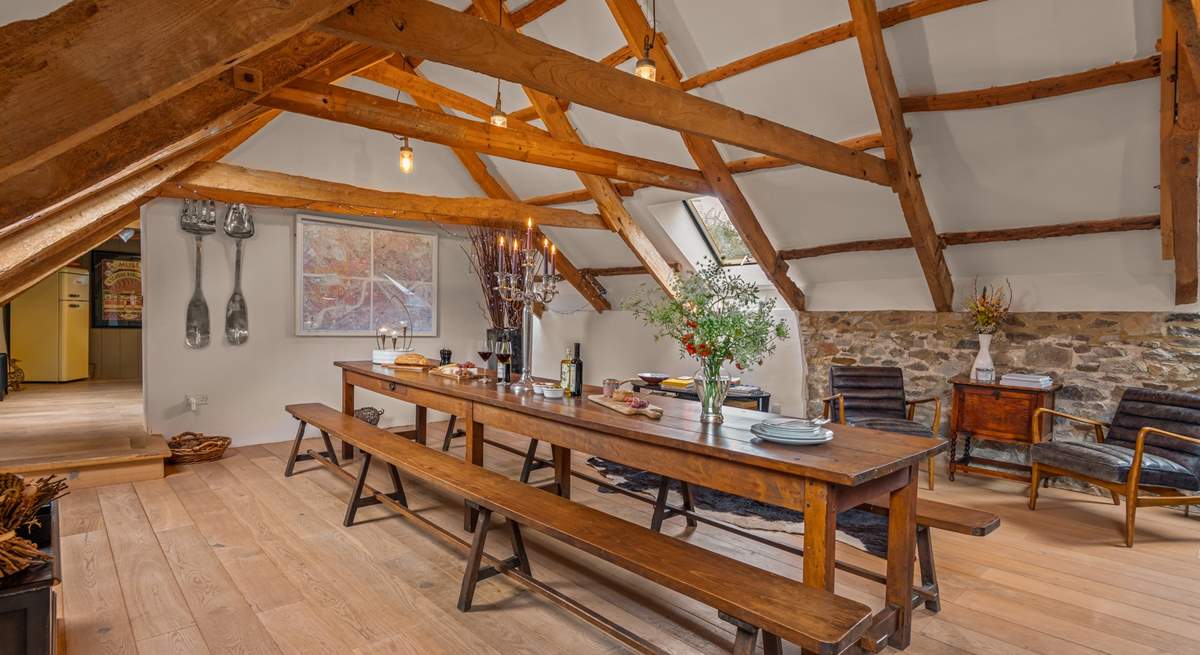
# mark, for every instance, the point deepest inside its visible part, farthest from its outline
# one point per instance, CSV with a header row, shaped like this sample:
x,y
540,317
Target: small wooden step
x,y
143,459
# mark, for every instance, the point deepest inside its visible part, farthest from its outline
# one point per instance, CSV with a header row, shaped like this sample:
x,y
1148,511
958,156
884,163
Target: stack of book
x,y
1027,380
677,384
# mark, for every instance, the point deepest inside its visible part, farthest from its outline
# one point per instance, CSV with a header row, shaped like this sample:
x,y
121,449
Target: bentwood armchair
x,y
873,397
1152,445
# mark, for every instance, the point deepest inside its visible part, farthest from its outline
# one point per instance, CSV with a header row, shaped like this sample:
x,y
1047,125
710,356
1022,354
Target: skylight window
x,y
719,234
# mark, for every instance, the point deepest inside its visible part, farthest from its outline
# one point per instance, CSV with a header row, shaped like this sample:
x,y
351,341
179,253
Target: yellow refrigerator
x,y
50,328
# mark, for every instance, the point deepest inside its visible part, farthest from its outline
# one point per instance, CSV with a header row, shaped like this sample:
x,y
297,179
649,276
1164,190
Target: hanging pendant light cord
x,y
648,42
499,23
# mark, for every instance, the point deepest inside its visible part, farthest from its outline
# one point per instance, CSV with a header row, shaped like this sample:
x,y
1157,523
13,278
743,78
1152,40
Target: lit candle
x,y
545,256
516,258
500,260
552,267
529,234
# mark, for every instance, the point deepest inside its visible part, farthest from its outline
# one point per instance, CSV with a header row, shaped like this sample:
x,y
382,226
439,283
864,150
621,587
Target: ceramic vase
x,y
983,370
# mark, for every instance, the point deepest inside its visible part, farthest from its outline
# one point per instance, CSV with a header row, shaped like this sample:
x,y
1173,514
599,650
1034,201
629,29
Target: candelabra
x,y
527,287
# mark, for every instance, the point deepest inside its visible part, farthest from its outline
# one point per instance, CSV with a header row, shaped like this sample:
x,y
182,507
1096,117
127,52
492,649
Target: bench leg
x,y
329,451
747,636
397,485
662,512
451,433
518,546
291,461
928,570
356,497
474,558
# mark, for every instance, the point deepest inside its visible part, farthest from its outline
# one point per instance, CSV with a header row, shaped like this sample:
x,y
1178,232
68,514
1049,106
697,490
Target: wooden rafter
x,y
601,189
494,186
232,184
1169,50
1077,228
206,109
27,255
620,270
614,58
1184,14
746,165
634,26
821,38
87,67
906,184
534,10
435,32
373,112
1049,87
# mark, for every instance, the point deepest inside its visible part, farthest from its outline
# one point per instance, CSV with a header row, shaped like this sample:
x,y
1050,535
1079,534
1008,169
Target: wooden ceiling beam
x,y
232,184
821,38
615,58
620,270
1078,228
435,32
170,127
494,186
907,185
749,164
1049,87
373,112
534,10
88,67
31,253
633,24
392,73
1184,14
601,189
1168,47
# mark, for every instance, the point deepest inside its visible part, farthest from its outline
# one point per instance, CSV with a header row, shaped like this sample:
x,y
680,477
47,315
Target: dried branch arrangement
x,y
484,258
19,504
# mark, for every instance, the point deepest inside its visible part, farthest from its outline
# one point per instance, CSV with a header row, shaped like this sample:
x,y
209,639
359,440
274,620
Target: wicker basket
x,y
193,447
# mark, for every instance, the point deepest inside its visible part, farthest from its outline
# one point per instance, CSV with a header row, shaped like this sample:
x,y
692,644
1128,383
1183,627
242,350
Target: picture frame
x,y
353,276
116,289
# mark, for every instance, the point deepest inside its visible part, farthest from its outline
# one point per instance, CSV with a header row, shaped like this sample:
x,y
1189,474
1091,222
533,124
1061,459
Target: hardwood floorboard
x,y
244,546
152,598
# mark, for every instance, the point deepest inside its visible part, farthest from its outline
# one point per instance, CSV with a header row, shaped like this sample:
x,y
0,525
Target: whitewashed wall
x,y
248,385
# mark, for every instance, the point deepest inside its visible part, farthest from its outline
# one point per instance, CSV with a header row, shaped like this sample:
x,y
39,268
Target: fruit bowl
x,y
653,378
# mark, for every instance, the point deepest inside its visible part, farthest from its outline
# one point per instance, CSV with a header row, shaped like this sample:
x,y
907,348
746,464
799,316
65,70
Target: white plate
x,y
787,428
821,436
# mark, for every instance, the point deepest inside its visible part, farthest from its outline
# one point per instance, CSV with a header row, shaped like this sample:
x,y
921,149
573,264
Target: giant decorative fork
x,y
239,225
198,218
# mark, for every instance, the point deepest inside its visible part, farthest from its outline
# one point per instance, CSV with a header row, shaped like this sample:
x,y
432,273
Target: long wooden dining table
x,y
857,465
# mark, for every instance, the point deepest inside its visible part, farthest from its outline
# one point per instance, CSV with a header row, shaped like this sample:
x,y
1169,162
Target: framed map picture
x,y
116,290
353,278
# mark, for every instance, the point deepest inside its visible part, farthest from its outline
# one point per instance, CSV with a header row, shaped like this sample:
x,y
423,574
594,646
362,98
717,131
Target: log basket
x,y
195,447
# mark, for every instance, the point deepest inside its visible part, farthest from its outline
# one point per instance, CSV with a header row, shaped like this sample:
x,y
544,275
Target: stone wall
x,y
1096,355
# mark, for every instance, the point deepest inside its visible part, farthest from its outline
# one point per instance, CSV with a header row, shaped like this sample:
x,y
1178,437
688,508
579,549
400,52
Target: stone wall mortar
x,y
1095,355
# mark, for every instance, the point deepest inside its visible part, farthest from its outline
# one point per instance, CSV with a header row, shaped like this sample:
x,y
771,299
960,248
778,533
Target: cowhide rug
x,y
858,528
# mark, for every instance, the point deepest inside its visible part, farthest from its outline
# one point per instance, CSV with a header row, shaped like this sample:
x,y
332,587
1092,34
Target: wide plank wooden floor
x,y
230,557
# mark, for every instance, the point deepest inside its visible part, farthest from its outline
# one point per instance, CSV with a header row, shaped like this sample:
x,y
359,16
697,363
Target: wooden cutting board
x,y
464,376
411,367
653,411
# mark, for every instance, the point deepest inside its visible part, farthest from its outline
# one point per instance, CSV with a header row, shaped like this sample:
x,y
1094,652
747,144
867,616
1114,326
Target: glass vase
x,y
712,385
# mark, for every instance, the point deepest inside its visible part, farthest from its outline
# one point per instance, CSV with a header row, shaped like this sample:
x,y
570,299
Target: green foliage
x,y
715,317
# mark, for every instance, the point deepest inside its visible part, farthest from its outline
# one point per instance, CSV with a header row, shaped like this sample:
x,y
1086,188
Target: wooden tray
x,y
469,376
411,367
653,411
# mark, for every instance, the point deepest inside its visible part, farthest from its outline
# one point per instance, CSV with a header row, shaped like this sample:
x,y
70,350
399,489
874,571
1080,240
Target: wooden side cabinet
x,y
993,412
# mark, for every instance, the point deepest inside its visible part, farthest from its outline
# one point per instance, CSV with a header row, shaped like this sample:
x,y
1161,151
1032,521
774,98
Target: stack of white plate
x,y
794,431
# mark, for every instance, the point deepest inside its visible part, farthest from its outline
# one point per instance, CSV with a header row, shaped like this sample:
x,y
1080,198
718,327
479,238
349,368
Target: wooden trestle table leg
x,y
902,531
422,424
474,455
562,470
347,409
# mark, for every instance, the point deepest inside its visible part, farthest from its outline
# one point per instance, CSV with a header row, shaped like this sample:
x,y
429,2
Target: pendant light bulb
x,y
645,67
498,117
406,158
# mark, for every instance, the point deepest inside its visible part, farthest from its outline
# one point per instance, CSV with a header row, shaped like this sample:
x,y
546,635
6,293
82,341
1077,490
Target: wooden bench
x,y
930,514
750,598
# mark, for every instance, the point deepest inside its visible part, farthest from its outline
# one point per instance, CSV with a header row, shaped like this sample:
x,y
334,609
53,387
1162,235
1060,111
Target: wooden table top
x,y
854,456
966,380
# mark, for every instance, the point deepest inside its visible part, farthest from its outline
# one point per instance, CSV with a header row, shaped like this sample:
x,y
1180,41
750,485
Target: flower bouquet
x,y
716,318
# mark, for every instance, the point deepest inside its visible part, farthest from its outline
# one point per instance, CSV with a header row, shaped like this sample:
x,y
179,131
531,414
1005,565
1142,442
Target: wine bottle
x,y
564,373
576,373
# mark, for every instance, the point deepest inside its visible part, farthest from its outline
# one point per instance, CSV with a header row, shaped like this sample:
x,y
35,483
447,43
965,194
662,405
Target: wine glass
x,y
485,348
503,355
